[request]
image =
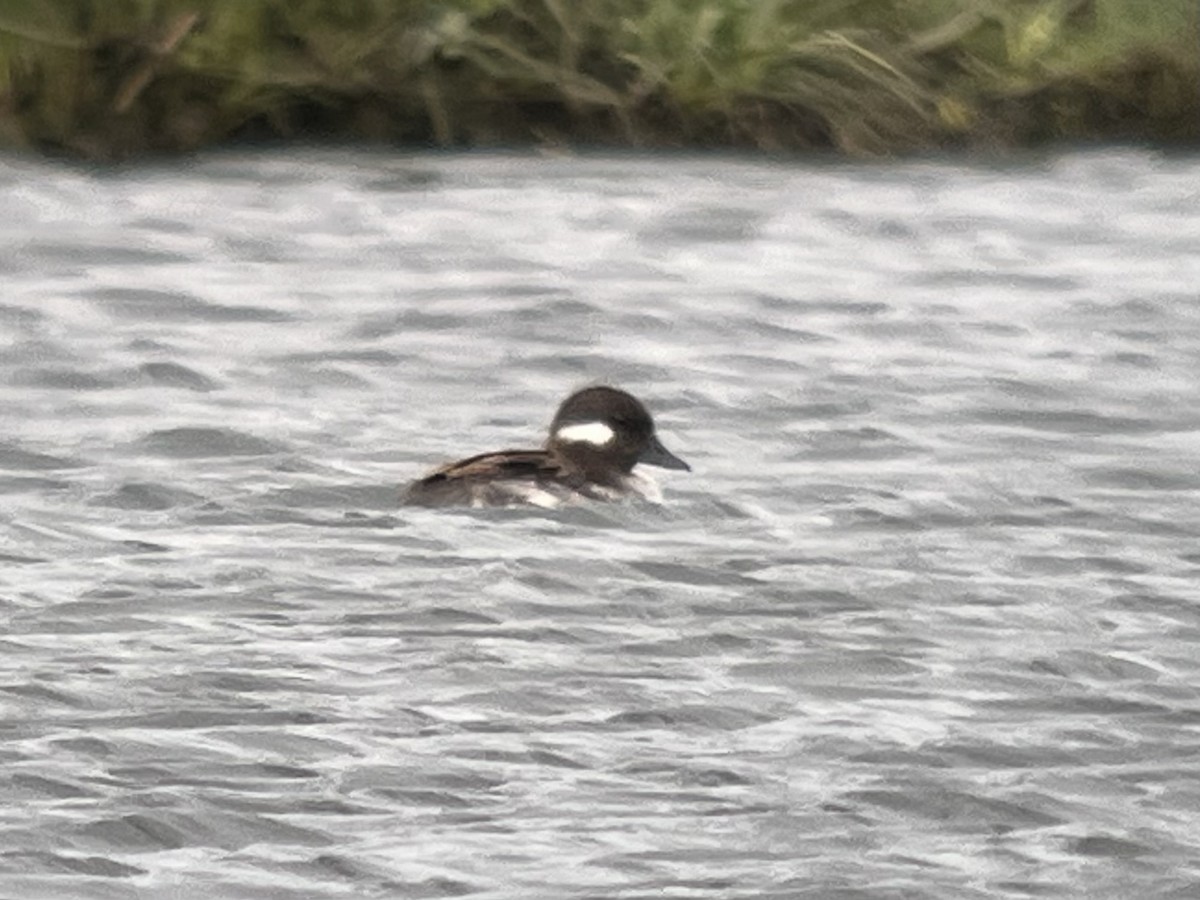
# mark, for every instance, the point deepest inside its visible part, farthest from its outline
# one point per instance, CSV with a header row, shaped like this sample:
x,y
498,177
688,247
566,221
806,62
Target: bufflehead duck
x,y
598,435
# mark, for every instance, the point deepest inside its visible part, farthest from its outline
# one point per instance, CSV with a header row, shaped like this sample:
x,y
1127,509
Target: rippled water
x,y
922,623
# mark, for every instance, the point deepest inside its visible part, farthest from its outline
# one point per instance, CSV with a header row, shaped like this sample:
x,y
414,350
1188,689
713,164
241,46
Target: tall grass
x,y
113,78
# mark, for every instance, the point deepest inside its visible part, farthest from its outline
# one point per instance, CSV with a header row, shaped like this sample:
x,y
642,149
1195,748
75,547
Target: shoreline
x,y
141,79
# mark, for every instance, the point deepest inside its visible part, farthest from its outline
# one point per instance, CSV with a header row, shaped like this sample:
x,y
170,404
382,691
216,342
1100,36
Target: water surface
x,y
922,623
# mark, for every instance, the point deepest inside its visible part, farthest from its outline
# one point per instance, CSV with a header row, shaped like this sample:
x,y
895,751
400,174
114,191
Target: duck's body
x,y
598,435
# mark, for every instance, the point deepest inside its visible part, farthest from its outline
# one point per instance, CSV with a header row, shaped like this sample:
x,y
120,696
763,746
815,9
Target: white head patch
x,y
586,432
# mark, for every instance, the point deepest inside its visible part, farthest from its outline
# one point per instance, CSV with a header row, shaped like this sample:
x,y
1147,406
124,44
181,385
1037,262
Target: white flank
x,y
588,433
517,493
536,496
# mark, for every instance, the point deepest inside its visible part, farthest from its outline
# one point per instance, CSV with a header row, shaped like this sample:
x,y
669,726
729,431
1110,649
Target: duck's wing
x,y
489,479
500,464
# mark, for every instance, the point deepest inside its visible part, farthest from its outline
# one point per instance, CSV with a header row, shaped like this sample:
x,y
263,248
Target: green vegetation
x,y
107,79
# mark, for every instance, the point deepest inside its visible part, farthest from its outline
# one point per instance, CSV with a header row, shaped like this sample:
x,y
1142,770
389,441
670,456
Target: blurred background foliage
x,y
109,79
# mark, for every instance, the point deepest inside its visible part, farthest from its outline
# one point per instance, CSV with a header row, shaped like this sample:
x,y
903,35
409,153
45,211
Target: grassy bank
x,y
106,79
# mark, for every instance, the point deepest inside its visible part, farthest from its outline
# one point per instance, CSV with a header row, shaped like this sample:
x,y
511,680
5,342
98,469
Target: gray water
x,y
922,623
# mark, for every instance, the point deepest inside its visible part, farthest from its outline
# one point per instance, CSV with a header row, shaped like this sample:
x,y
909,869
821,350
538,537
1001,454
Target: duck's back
x,y
505,478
